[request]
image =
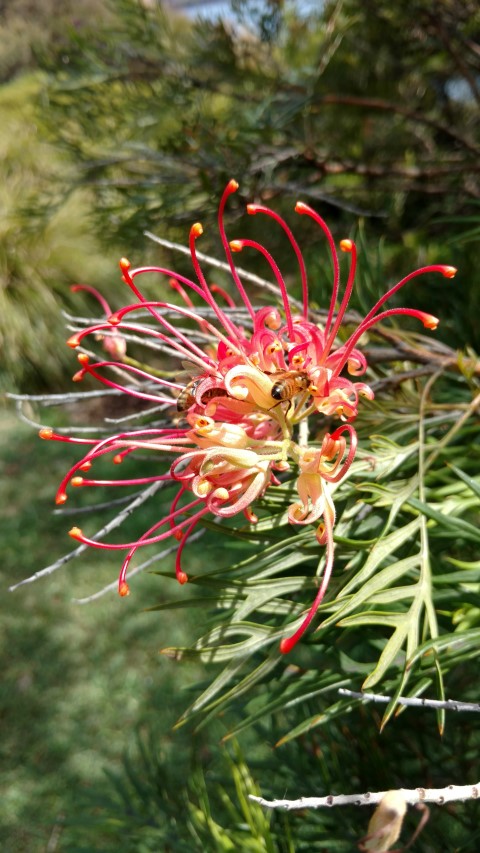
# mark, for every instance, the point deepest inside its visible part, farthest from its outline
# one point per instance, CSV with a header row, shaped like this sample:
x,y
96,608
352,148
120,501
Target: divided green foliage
x,y
405,514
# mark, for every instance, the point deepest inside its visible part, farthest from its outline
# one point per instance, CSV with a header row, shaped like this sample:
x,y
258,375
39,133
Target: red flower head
x,y
258,374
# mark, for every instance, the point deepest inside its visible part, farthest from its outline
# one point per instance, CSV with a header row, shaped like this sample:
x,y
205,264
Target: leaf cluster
x,y
402,612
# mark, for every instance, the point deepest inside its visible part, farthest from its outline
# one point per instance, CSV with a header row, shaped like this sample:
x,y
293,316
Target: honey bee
x,y
288,383
186,398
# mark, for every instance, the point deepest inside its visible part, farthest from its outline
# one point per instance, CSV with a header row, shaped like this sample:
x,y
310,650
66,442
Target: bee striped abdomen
x,y
289,383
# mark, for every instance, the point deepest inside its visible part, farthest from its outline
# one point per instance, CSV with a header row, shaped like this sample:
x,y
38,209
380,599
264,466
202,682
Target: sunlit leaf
x,y
380,551
388,655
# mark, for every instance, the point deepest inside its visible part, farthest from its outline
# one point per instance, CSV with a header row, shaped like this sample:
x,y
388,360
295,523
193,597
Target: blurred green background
x,y
124,117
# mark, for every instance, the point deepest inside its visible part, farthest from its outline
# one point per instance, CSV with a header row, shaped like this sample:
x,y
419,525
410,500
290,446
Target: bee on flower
x,y
235,424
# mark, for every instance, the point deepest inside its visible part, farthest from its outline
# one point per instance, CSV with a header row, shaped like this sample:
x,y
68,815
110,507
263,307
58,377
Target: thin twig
x,y
222,265
64,511
440,796
133,416
22,416
315,193
113,587
115,522
388,106
60,399
474,405
414,701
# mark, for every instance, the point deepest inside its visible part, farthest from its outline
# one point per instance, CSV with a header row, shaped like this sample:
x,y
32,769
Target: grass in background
x,y
78,682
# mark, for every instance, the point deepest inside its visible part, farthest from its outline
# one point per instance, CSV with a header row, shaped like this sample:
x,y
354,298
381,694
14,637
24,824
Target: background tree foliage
x,y
29,30
39,257
366,109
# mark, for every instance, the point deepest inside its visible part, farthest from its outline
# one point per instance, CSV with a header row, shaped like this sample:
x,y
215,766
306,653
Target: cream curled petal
x,y
364,390
234,458
325,461
228,409
356,363
201,423
204,441
320,381
270,350
186,466
231,435
326,405
262,428
248,383
330,468
310,491
221,471
332,452
220,434
220,494
341,401
345,387
310,459
231,458
269,317
297,514
252,487
325,529
201,487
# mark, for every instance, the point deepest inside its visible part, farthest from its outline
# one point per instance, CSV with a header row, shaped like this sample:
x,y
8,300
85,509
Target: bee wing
x,y
190,371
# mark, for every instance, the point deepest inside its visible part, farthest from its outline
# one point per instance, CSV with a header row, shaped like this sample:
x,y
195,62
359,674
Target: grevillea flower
x,y
256,375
